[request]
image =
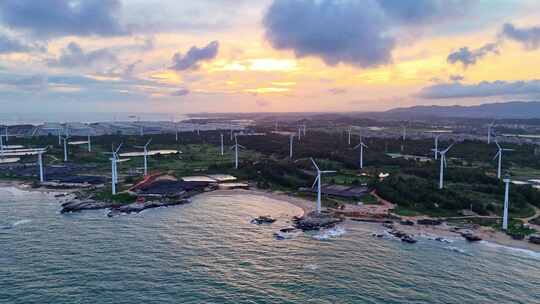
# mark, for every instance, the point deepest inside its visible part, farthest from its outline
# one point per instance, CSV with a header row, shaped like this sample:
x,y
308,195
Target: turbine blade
x,y
498,146
315,164
497,155
356,147
315,182
148,142
329,171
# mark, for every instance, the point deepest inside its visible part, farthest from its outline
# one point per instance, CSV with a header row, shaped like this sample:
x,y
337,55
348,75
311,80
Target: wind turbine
x,y
221,136
40,164
176,131
114,173
65,139
236,147
505,214
291,140
304,129
349,131
145,147
318,183
436,149
361,145
499,155
443,165
299,132
490,128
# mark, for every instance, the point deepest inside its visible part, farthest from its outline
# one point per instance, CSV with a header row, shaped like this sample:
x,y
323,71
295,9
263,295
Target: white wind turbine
x,y
89,143
65,140
145,147
506,192
361,146
499,155
222,152
114,172
490,131
6,133
40,164
304,129
349,131
318,183
436,149
299,132
291,140
443,165
236,147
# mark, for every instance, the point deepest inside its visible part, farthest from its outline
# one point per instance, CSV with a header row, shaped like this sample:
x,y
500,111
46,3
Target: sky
x,y
180,56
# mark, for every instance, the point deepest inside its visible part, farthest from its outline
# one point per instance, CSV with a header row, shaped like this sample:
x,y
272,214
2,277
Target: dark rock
x,y
429,222
535,239
407,223
79,205
314,221
471,237
263,219
408,239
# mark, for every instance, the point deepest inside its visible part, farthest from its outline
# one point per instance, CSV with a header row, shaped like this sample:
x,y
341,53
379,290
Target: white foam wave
x,y
311,267
330,233
455,249
519,251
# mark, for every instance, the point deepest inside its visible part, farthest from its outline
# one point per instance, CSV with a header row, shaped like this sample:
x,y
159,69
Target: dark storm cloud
x,y
347,31
529,37
194,56
469,57
52,18
482,89
74,56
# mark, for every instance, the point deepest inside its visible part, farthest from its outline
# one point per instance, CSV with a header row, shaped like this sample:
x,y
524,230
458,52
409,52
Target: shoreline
x,y
443,230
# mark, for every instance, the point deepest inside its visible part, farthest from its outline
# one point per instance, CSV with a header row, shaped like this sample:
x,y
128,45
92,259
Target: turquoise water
x,y
208,252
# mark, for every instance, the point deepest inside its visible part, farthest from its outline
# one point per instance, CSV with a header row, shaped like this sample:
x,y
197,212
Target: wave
x,y
456,249
531,253
17,223
330,233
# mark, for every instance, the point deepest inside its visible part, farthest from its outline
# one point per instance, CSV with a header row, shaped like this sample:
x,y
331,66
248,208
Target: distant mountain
x,y
508,110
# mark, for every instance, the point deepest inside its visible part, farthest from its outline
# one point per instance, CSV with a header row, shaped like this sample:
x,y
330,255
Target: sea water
x,y
209,252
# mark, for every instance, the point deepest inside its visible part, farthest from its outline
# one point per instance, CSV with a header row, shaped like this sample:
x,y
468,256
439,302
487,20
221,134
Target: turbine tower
x,y
236,147
40,164
436,149
318,183
304,129
145,147
349,131
361,146
65,140
299,132
222,152
443,165
506,191
291,140
114,172
89,142
499,155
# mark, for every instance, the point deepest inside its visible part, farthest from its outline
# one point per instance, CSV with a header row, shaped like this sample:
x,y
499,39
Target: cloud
x,y
74,56
194,56
57,18
469,57
423,11
482,89
456,78
11,45
181,92
353,32
529,37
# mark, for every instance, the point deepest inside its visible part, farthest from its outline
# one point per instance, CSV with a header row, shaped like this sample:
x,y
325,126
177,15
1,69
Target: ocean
x,y
209,252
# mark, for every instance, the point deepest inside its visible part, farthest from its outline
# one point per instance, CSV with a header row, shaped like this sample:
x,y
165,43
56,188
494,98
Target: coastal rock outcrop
x,y
314,221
